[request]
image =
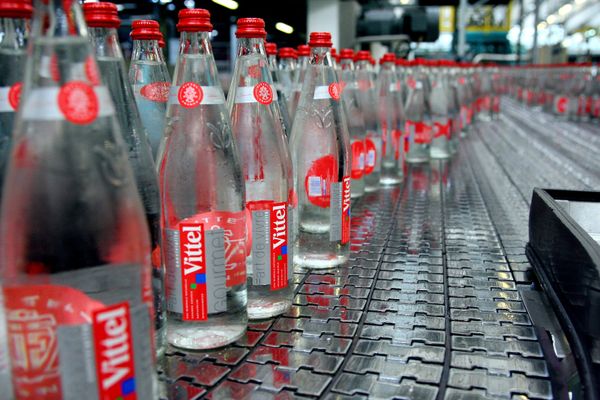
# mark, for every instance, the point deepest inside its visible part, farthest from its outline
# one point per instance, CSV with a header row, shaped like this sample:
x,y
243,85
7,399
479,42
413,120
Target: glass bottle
x,y
286,122
14,32
390,113
75,252
149,76
367,97
103,21
320,147
303,52
355,120
439,94
202,194
286,70
266,165
416,144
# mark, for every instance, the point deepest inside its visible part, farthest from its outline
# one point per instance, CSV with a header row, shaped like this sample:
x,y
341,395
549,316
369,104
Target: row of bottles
x,y
140,209
568,90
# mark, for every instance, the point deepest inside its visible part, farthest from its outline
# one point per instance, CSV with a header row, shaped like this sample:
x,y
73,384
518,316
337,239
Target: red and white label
x,y
10,97
496,104
251,94
419,132
78,102
346,199
156,91
194,292
441,130
263,93
190,95
334,90
370,156
210,94
396,143
279,246
318,179
561,104
33,315
113,344
358,159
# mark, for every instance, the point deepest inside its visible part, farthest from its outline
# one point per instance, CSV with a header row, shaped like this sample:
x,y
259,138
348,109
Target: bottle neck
x,y
105,42
346,64
248,46
13,33
363,65
321,56
146,50
191,43
58,18
288,64
272,62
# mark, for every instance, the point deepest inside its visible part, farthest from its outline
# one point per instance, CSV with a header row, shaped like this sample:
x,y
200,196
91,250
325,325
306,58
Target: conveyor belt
x,y
431,304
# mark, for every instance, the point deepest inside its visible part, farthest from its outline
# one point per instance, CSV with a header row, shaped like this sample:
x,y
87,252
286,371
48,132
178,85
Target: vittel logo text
x,y
114,353
279,226
191,248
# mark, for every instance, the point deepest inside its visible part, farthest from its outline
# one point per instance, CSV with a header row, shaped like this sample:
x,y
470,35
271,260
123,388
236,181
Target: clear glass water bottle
x,y
14,32
320,147
355,120
439,94
286,71
367,97
303,52
103,22
282,98
390,114
149,77
202,194
417,139
266,166
75,251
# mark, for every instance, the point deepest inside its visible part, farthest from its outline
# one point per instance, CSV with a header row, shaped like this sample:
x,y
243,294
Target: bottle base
x,y
267,308
320,261
417,160
218,332
439,154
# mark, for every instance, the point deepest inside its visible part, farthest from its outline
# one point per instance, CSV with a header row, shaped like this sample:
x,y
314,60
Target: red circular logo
x,y
561,105
334,91
78,102
91,71
263,93
318,180
190,95
14,95
157,91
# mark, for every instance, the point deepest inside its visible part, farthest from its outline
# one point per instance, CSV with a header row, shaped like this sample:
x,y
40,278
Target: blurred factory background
x,y
503,31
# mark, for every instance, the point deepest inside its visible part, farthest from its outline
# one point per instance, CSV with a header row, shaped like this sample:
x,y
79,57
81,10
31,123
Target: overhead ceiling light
x,y
285,28
231,4
404,2
564,10
542,25
165,1
551,19
578,2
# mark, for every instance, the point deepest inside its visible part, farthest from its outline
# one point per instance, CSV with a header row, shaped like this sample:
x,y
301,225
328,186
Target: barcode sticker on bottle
x,y
314,186
331,91
210,95
46,104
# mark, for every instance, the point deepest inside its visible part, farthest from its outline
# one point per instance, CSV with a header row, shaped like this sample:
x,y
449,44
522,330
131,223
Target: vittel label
x,y
340,211
318,179
269,244
9,97
196,95
76,102
196,273
155,91
358,159
441,130
418,132
561,104
262,93
114,353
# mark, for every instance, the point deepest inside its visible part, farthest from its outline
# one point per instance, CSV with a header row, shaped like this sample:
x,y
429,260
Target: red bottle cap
x,y
251,28
16,9
333,52
304,50
287,52
388,57
271,49
320,39
145,29
194,20
346,54
362,55
101,15
372,60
